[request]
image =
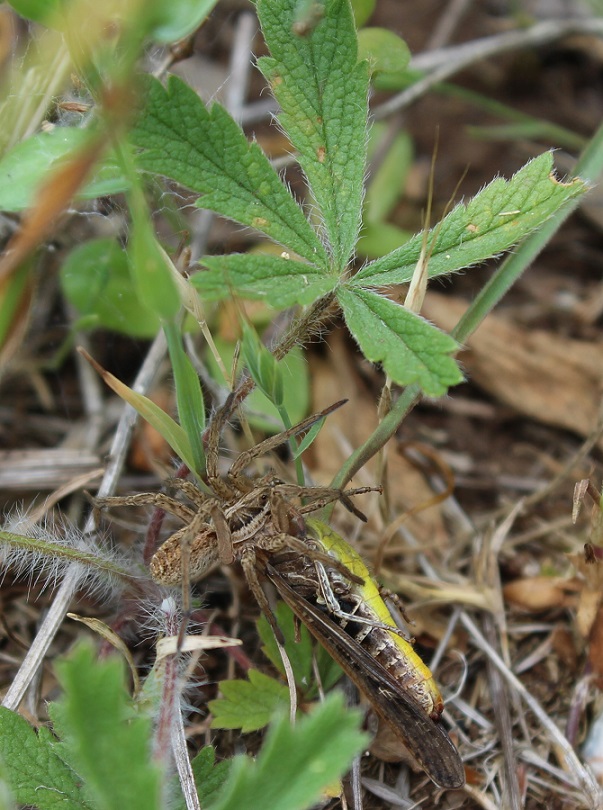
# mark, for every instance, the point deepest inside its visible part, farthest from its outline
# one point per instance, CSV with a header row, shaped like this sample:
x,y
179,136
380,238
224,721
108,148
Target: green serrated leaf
x,y
209,775
296,763
37,776
323,91
206,151
107,744
248,705
95,278
24,168
410,349
497,218
278,281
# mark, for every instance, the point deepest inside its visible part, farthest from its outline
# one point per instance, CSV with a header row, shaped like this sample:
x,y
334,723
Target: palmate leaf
x,y
210,775
206,151
296,763
104,741
248,705
410,349
497,218
323,91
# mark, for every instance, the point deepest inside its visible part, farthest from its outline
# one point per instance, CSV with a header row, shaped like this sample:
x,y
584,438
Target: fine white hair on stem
x,y
44,551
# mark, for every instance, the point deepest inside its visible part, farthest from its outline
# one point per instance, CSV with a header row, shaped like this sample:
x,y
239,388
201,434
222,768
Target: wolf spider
x,y
239,518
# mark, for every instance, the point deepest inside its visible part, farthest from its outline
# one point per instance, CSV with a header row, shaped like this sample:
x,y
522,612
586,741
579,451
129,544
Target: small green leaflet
x,y
248,705
179,19
36,774
410,349
497,218
323,93
96,280
278,281
300,653
296,763
385,51
209,775
24,168
102,738
206,151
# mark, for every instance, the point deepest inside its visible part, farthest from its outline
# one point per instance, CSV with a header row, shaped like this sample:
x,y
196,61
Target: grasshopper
x,y
255,522
352,622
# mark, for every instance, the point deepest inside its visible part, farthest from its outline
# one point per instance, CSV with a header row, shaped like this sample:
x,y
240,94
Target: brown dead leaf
x,y
590,567
148,445
554,380
333,378
564,645
541,593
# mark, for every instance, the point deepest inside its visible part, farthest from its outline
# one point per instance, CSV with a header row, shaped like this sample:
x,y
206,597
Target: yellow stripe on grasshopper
x,y
429,697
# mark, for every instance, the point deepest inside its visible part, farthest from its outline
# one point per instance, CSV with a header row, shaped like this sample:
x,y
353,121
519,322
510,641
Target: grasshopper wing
x,y
426,739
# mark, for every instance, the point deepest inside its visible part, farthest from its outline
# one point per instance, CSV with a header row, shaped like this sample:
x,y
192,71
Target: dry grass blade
x,y
575,773
66,592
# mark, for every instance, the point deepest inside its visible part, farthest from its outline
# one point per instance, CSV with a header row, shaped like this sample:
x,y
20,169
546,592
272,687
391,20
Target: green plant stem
x,y
589,167
554,134
71,554
308,323
299,467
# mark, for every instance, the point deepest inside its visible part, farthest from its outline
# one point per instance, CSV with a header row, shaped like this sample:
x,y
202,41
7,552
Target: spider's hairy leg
x,y
318,497
212,455
292,535
249,565
157,499
275,441
285,517
191,491
223,536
